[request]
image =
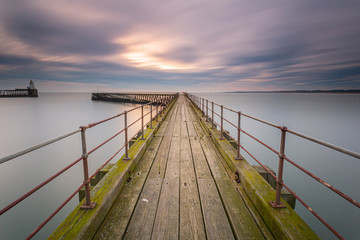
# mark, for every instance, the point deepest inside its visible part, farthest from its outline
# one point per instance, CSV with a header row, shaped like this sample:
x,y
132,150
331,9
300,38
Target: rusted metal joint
x,y
281,155
277,205
84,156
283,128
279,182
86,181
83,128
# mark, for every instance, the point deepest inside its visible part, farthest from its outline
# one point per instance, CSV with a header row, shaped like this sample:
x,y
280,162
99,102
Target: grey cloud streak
x,y
227,45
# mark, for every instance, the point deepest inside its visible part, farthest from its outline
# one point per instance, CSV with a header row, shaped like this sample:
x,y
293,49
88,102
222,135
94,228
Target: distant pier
x,y
30,91
135,98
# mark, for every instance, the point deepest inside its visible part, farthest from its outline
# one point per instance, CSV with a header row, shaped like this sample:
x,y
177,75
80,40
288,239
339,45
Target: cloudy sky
x,y
162,45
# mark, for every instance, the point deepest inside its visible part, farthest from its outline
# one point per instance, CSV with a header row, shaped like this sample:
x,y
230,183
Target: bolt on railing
x,y
281,156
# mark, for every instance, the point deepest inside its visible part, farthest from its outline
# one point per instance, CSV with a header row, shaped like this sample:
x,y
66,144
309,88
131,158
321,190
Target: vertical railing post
x,y
126,138
222,123
151,117
203,106
207,106
157,112
238,137
142,123
279,179
212,115
88,204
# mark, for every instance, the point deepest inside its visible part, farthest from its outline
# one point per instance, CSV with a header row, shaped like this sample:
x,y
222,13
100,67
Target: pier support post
x,y
279,179
126,138
88,204
222,123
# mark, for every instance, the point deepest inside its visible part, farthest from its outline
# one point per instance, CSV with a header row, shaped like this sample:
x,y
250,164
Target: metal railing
x,y
84,157
203,105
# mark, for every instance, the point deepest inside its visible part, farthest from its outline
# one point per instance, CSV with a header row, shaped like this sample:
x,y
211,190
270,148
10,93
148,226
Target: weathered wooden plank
x,y
115,223
250,208
166,225
216,222
141,223
171,126
162,129
217,169
177,123
191,129
164,125
173,163
186,162
241,220
183,116
201,165
159,166
191,219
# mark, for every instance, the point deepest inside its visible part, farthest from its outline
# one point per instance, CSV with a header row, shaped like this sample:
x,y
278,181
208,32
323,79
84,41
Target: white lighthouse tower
x,y
31,85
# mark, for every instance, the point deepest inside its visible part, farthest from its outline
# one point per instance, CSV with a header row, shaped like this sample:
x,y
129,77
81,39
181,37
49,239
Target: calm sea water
x,y
25,122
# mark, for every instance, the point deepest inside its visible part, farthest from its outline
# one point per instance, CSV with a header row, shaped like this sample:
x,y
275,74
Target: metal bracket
x,y
275,205
84,206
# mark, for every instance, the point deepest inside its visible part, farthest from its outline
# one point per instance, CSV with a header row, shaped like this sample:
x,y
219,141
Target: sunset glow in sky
x,y
162,45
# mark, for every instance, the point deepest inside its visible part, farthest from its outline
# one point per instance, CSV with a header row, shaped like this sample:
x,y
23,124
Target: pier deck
x,y
182,189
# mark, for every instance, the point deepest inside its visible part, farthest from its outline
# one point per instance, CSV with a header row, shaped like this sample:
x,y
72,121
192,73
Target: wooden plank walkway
x,y
181,189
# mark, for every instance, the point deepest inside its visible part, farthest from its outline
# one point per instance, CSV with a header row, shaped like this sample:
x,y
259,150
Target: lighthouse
x,y
32,90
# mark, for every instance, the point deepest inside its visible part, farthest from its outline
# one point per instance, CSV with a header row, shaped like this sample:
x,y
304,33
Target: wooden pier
x,y
179,185
135,98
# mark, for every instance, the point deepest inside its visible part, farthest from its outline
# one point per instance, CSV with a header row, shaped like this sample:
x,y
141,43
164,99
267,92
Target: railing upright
x,y
88,204
238,137
126,137
142,122
279,180
222,123
212,115
157,112
207,107
151,117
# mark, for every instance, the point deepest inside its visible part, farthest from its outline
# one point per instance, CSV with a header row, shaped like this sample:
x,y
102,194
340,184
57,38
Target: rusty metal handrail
x,y
200,103
164,102
33,148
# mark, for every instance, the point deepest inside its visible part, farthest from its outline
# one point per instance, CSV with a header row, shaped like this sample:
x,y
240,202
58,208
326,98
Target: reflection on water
x,y
29,121
330,117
